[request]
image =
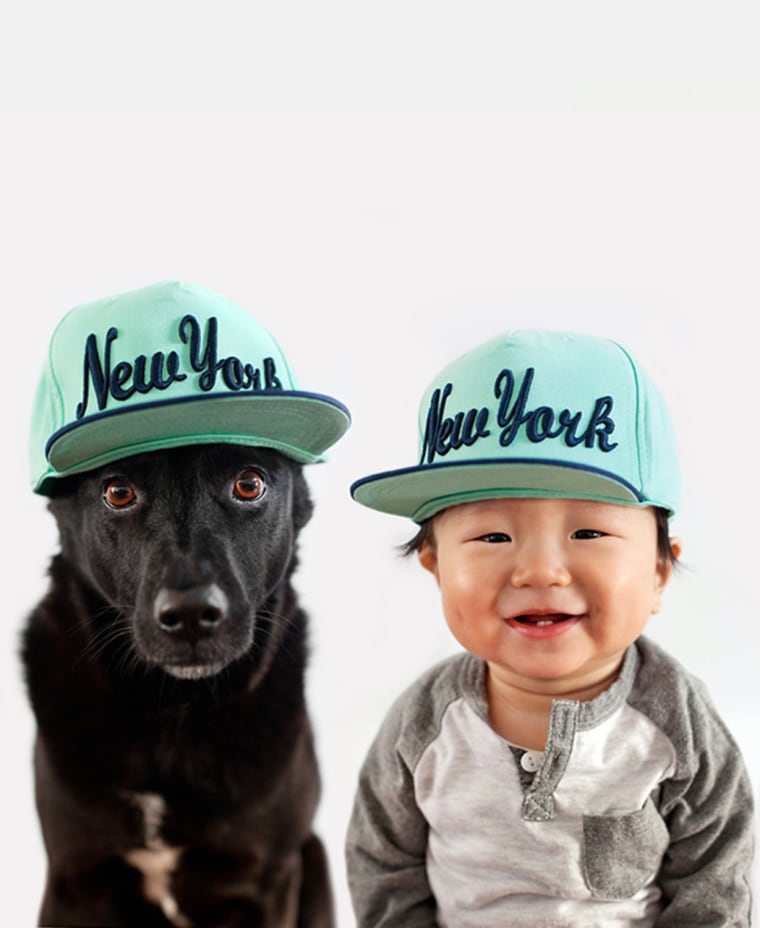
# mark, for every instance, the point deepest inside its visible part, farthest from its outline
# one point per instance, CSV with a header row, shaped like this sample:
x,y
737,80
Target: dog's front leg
x,y
237,892
108,895
89,882
316,903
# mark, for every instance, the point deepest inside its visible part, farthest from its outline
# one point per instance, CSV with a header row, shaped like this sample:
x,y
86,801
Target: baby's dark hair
x,y
665,552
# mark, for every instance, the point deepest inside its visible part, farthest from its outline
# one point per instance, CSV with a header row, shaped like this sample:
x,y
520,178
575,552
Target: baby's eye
x,y
586,534
494,538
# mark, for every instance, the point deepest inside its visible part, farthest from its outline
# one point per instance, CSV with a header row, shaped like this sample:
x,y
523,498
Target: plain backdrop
x,y
384,186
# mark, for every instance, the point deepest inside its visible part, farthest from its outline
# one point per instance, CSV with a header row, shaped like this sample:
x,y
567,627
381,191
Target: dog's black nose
x,y
191,613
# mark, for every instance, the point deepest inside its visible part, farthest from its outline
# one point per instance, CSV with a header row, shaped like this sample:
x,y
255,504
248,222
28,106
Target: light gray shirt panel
x,y
487,864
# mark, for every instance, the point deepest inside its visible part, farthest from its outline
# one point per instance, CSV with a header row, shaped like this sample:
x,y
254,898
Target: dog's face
x,y
185,545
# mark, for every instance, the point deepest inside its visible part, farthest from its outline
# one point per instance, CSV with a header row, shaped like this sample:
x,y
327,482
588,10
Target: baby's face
x,y
550,592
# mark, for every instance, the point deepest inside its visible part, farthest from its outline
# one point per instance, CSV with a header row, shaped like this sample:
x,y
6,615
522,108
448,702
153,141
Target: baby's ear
x,y
428,558
664,573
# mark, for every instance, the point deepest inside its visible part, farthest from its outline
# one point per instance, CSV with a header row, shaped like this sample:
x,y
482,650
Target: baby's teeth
x,y
544,622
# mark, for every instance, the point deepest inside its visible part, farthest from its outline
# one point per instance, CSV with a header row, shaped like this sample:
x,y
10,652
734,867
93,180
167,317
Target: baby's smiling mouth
x,y
540,619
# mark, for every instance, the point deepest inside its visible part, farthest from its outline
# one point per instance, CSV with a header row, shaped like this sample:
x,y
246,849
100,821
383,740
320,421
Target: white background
x,y
385,185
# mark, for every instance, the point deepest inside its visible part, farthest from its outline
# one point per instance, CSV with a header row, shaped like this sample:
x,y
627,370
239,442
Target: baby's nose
x,y
540,565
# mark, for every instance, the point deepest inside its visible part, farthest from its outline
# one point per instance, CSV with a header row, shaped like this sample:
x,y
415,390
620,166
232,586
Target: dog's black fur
x,y
165,667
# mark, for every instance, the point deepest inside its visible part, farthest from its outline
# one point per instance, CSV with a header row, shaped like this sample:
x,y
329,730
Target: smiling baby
x,y
563,770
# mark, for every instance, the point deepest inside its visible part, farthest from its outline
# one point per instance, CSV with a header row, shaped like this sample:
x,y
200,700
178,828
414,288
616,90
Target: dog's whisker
x,y
128,662
281,622
86,622
100,642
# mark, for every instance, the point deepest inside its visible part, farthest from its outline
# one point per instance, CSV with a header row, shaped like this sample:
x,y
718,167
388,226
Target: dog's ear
x,y
65,507
62,487
303,507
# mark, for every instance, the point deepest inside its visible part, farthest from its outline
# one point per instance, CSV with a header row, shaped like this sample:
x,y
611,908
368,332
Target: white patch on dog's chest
x,y
156,861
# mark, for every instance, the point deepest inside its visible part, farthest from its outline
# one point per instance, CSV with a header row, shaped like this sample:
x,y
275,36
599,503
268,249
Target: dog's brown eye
x,y
249,486
118,494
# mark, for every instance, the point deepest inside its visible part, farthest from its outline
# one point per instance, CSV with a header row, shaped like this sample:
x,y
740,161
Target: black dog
x,y
176,776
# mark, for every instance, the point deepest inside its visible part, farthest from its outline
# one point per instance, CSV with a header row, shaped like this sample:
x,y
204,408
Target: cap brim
x,y
299,425
421,492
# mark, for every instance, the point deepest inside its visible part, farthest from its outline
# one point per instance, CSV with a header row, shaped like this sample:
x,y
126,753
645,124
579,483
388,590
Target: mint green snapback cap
x,y
536,414
164,366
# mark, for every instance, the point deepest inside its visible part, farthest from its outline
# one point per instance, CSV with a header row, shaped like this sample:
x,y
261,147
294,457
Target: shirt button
x,y
531,761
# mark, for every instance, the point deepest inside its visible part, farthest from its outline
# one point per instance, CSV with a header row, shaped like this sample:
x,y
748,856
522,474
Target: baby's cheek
x,y
466,615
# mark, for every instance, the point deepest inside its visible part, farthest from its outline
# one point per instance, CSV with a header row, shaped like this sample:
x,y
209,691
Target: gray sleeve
x,y
708,809
387,837
705,876
387,841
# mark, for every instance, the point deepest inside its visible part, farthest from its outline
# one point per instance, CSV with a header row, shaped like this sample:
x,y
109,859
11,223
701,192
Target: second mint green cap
x,y
164,366
536,414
